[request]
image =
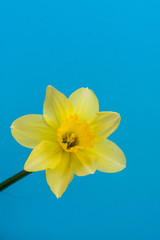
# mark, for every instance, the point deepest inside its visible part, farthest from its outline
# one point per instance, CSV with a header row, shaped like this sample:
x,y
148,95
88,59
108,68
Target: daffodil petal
x,y
84,162
85,103
59,178
46,155
32,129
110,157
103,124
56,107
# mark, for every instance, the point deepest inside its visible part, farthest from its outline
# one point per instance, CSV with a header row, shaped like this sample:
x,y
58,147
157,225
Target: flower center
x,y
73,134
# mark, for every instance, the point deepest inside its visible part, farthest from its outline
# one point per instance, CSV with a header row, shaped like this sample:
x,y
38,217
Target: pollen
x,y
74,134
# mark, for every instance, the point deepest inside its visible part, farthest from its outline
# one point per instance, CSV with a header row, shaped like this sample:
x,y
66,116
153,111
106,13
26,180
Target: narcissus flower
x,y
69,138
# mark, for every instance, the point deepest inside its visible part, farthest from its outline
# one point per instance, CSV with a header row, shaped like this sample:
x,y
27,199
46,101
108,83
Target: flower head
x,y
69,138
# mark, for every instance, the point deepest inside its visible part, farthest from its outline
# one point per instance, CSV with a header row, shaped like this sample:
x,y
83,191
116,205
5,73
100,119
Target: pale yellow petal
x,y
84,162
59,178
32,129
103,124
85,103
110,157
45,155
56,107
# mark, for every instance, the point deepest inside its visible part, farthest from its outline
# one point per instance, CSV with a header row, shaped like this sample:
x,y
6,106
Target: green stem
x,y
13,179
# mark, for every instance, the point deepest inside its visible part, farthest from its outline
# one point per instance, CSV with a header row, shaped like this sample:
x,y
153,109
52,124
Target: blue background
x,y
112,47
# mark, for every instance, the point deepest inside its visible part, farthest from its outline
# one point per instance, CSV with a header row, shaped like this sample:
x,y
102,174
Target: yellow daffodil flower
x,y
69,138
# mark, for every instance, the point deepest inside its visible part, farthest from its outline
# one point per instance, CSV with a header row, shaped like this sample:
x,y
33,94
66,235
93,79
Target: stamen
x,y
70,139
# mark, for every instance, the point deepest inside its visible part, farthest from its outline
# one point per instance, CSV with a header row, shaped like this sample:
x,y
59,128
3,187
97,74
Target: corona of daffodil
x,y
69,138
